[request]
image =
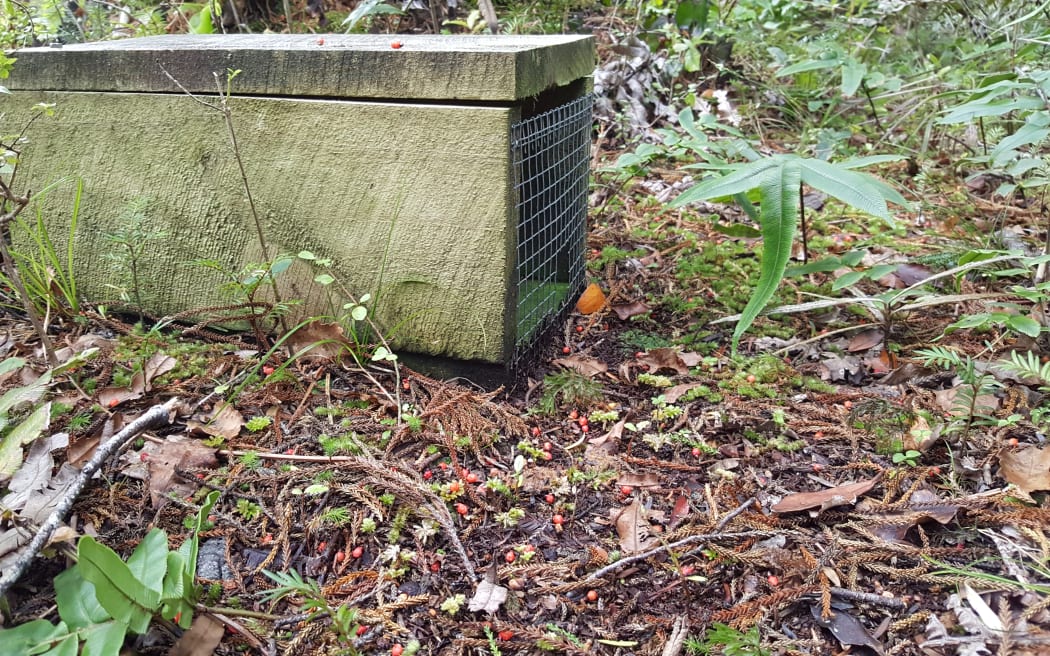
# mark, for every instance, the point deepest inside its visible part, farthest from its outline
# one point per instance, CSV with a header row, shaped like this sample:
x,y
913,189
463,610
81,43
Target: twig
x,y
158,415
681,543
674,643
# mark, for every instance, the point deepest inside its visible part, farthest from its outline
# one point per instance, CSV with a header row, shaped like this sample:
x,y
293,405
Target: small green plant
x,y
779,180
726,641
975,386
248,510
909,457
568,389
257,424
132,241
16,434
343,618
103,598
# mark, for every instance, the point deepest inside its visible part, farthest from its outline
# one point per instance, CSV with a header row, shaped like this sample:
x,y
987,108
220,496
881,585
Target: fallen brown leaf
x,y
1027,467
583,365
836,496
660,359
865,340
225,422
627,310
633,528
319,340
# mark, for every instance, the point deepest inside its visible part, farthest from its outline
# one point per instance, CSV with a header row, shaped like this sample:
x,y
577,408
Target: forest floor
x,y
815,494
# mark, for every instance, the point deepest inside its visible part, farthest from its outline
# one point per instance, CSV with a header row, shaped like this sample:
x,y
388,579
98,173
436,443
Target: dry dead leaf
x,y
591,300
679,512
111,397
836,496
672,394
1027,467
81,450
638,480
627,310
202,639
320,340
660,359
632,525
157,462
489,597
583,365
865,340
225,422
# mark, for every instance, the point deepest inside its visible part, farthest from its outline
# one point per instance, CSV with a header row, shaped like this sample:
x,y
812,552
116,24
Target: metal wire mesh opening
x,y
551,164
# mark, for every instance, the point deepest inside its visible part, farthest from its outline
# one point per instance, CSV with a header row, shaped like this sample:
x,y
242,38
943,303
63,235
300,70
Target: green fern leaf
x,y
739,181
850,187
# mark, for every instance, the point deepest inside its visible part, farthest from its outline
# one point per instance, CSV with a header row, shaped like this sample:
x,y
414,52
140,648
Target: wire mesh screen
x,y
551,165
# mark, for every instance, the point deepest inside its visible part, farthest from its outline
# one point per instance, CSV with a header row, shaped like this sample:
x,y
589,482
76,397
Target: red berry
x,y
574,415
547,455
289,452
435,566
143,457
427,475
558,520
584,421
462,509
773,580
625,490
320,42
697,452
361,630
397,649
340,556
566,350
751,378
396,45
528,548
818,467
114,403
579,329
358,551
321,546
267,370
536,431
453,487
268,538
547,446
639,354
592,596
472,478
443,465
847,405
585,428
549,498
687,570
510,556
505,635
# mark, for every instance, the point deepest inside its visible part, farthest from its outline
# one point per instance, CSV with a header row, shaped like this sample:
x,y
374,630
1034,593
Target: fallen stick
x,y
158,415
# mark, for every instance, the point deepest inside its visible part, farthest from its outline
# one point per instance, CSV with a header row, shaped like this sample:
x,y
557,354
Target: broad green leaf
x,y
692,14
31,637
853,73
116,588
103,639
740,180
177,598
1024,325
1028,134
359,313
149,562
691,60
978,109
809,65
306,255
20,435
780,200
847,279
869,160
324,279
77,604
30,392
10,364
852,188
876,272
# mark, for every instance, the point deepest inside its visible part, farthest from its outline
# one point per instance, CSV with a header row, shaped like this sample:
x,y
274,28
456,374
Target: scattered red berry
x,y
340,556
427,475
321,546
268,538
935,471
696,452
592,596
143,457
579,329
320,42
396,45
585,428
443,465
566,350
687,570
114,403
1013,441
358,551
472,478
547,446
547,455
574,415
549,498
751,378
200,477
584,421
510,556
536,431
462,509
528,548
435,566
819,435
361,630
453,487
397,649
289,452
267,370
405,385
505,635
558,520
625,490
773,580
818,467
847,404
639,354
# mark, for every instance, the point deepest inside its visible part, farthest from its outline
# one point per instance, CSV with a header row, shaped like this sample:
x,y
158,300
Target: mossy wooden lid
x,y
393,67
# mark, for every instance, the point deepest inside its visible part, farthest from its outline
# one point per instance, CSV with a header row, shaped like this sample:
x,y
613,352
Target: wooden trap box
x,y
445,176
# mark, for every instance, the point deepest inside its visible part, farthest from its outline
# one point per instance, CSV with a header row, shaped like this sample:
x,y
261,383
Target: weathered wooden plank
x,y
424,67
412,202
